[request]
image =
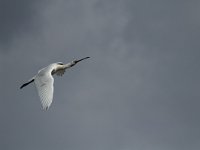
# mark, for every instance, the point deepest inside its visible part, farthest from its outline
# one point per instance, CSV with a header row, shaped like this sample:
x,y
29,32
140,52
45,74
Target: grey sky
x,y
139,90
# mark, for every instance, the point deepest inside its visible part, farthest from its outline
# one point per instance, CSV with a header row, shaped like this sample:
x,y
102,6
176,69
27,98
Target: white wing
x,y
44,84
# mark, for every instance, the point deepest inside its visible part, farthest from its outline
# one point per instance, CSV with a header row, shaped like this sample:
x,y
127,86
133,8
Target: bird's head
x,y
59,63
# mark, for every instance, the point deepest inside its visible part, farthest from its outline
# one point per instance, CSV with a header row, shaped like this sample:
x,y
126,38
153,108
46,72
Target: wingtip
x,y
25,84
45,108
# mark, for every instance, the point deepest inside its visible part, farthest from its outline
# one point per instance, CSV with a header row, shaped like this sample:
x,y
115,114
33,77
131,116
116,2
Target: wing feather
x,y
44,84
60,72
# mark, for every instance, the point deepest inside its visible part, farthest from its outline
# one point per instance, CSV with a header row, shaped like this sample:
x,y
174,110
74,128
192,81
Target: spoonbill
x,y
44,80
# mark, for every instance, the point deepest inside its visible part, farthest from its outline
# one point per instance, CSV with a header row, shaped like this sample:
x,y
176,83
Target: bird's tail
x,y
27,83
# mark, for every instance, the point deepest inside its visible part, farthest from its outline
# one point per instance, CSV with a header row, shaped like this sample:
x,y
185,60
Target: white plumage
x,y
44,81
44,84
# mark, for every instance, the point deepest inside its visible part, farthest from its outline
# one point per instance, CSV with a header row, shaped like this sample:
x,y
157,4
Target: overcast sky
x,y
139,91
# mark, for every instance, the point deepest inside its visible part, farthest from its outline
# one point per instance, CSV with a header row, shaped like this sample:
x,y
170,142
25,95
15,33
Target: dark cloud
x,y
17,18
139,90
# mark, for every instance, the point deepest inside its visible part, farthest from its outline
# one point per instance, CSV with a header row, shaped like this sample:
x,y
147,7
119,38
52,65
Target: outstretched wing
x,y
60,72
44,85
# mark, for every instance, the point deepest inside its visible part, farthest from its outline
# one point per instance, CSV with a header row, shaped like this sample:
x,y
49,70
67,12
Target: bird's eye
x,y
60,63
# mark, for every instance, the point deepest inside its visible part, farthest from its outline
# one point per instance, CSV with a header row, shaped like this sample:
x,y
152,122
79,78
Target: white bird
x,y
44,80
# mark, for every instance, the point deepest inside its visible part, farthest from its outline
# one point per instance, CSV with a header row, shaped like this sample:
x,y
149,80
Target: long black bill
x,y
82,59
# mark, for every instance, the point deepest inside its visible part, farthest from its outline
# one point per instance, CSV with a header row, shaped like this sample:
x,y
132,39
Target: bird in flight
x,y
44,80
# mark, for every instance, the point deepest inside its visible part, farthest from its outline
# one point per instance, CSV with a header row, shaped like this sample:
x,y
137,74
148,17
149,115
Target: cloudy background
x,y
139,91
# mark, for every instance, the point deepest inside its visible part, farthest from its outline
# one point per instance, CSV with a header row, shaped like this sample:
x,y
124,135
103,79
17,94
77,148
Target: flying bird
x,y
44,80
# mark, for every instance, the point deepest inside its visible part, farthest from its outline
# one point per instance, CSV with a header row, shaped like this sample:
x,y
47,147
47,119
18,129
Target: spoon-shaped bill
x,y
81,59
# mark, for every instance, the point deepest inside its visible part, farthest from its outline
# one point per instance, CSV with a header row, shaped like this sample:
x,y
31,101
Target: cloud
x,y
17,18
139,90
